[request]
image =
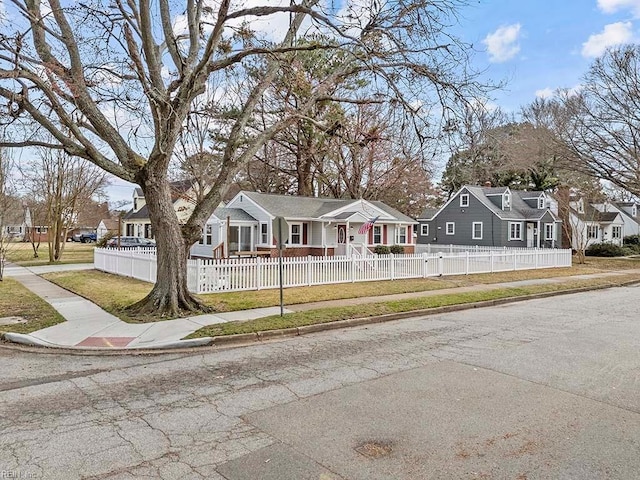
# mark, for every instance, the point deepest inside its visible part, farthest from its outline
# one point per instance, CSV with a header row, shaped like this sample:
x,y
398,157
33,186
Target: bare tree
x,y
6,204
600,124
63,186
116,83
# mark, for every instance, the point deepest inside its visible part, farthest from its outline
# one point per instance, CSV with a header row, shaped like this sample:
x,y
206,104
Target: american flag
x,y
367,226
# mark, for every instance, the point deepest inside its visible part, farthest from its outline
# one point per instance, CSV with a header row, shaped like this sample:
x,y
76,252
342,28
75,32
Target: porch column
x,y
348,239
324,238
539,234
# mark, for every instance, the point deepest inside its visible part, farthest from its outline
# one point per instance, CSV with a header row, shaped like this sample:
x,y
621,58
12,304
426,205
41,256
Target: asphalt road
x,y
540,389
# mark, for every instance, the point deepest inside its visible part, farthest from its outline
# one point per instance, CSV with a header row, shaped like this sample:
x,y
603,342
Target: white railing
x,y
236,274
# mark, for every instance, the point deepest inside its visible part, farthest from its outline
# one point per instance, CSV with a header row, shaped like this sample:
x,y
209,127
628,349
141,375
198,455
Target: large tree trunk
x,y
169,296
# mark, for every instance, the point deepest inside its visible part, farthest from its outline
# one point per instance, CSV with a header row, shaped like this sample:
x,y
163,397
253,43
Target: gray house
x,y
492,216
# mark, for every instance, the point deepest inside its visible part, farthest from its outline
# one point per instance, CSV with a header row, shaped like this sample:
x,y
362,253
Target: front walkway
x,y
90,327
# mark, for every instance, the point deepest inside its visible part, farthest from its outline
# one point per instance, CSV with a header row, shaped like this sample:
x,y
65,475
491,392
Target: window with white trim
x,y
401,234
450,228
634,211
506,201
264,237
541,203
593,231
464,200
295,234
549,231
424,229
377,234
515,231
616,232
208,234
476,231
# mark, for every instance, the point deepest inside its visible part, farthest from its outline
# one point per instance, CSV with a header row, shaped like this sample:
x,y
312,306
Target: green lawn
x,y
114,293
16,300
74,252
326,315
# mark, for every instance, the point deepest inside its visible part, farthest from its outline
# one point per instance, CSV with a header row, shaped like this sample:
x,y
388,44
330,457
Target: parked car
x,y
84,237
129,242
88,237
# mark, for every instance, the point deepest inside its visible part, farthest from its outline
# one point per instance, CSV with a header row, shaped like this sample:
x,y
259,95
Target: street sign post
x,y
280,229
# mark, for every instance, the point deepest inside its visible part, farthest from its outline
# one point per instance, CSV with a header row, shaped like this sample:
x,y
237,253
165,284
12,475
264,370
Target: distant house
x,y
136,222
315,226
595,223
628,213
107,226
15,220
493,216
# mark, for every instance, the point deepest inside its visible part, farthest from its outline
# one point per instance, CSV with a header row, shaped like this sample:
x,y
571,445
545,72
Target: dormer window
x,y
540,203
634,211
580,206
464,200
506,201
135,204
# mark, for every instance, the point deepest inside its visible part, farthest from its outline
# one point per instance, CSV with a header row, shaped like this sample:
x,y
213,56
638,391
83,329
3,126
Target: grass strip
x,y
326,315
22,254
17,301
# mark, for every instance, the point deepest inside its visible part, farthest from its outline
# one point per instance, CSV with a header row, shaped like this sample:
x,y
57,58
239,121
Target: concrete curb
x,y
244,339
29,340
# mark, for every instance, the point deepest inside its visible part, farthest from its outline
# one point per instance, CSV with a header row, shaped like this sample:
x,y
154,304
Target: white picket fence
x,y
435,248
236,274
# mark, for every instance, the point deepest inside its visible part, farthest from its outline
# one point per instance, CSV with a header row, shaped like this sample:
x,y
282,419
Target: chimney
x,y
487,184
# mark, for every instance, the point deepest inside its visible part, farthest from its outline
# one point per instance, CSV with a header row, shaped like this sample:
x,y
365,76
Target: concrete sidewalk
x,y
90,327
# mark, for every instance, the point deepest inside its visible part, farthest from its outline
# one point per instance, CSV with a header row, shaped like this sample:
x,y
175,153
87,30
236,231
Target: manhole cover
x,y
374,449
12,320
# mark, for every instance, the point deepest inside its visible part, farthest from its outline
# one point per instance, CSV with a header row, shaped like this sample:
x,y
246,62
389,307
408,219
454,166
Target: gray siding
x,y
495,232
463,217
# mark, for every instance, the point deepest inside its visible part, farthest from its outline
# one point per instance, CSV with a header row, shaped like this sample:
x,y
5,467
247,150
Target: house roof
x,y
140,214
290,206
235,214
110,223
520,210
493,190
592,214
393,212
428,213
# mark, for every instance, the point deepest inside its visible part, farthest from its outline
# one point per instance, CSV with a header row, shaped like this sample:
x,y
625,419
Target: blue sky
x,y
535,46
539,46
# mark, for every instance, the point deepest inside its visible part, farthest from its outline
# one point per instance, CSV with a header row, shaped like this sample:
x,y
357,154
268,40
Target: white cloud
x,y
544,93
502,44
612,6
613,34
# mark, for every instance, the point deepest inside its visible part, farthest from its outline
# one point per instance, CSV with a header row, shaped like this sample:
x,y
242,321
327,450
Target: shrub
x,y
381,250
397,249
103,241
632,249
604,250
632,240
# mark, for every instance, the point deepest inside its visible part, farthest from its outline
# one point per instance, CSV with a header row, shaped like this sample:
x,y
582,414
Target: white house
x,y
594,223
316,226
